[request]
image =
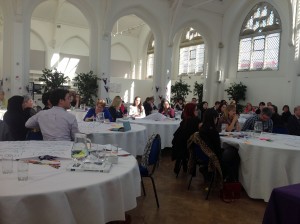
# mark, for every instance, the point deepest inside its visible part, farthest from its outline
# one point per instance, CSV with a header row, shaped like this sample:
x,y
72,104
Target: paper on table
x,y
28,149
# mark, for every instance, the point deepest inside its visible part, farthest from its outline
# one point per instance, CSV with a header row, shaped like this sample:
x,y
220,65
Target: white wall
x,y
131,88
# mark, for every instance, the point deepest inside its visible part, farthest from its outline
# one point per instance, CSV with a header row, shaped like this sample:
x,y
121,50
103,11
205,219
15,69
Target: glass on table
x,y
223,128
100,117
22,169
7,164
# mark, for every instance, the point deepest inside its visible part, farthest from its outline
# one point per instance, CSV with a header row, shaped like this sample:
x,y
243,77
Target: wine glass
x,y
100,117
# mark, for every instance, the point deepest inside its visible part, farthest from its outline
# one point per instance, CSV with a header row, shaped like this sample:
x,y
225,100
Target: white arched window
x,y
150,57
192,50
260,39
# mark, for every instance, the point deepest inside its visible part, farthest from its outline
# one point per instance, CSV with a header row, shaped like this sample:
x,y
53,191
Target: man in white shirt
x,y
56,124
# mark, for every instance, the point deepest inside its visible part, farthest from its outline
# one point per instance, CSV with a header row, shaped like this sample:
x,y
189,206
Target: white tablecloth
x,y
266,165
63,197
165,129
133,141
2,112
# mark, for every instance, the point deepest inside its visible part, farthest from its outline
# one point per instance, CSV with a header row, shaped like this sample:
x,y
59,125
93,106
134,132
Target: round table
x,y
165,129
58,196
267,162
133,141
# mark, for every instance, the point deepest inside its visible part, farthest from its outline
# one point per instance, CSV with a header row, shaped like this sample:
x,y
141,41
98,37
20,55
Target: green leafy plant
x,y
52,79
87,87
237,92
198,91
180,90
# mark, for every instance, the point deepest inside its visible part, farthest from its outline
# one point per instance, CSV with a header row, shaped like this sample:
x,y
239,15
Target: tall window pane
x,y
260,39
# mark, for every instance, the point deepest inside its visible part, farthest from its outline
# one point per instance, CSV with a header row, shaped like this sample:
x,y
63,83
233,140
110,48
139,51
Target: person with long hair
x,y
230,118
137,109
221,108
249,109
166,109
286,114
188,126
114,108
202,108
100,107
228,157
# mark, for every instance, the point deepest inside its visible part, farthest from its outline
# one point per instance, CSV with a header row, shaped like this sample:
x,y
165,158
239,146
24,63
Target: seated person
x,y
56,124
28,107
136,109
115,108
249,109
75,100
166,109
276,118
230,118
294,122
261,105
286,114
46,100
228,157
179,105
149,105
100,107
3,102
15,119
264,116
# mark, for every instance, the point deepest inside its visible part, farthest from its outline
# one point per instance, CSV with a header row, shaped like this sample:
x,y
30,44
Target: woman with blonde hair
x,y
114,108
137,109
230,118
100,107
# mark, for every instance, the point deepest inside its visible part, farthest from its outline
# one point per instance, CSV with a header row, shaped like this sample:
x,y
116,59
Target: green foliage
x,y
52,79
180,90
237,92
87,87
198,91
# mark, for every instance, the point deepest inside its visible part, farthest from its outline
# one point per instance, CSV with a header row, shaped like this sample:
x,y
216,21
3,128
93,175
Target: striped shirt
x,y
249,124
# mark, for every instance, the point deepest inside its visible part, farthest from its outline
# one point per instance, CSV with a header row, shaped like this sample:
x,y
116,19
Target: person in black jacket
x,y
188,126
15,119
228,157
285,114
294,122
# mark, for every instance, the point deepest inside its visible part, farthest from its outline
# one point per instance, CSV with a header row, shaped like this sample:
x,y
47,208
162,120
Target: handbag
x,y
230,191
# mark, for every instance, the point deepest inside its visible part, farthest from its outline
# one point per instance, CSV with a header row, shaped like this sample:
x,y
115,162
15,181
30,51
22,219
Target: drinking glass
x,y
113,157
258,127
7,164
22,170
100,117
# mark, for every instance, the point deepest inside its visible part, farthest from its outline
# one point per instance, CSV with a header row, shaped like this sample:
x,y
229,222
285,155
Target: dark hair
x,y
56,95
14,104
217,103
262,104
266,111
275,108
286,106
45,98
209,119
189,111
138,106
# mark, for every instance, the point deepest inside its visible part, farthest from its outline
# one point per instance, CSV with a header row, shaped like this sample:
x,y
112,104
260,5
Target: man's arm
x,y
292,126
32,122
247,125
74,129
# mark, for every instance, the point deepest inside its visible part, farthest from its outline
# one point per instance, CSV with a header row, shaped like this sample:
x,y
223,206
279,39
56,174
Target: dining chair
x,y
202,161
149,162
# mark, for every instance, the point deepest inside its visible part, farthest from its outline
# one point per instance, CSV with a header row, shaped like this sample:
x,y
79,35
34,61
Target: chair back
x,y
152,152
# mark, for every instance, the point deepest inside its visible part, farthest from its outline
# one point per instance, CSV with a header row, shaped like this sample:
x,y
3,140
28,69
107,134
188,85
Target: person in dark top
x,y
278,124
294,122
188,126
15,119
261,105
5,134
221,109
46,101
179,105
285,114
166,109
114,109
228,157
202,108
28,107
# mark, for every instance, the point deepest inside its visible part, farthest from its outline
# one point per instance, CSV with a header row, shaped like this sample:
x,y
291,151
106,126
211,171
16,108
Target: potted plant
x,y
180,90
198,91
237,92
52,79
87,87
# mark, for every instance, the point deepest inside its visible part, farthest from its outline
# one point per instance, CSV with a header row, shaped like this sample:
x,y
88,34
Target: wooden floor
x,y
178,205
